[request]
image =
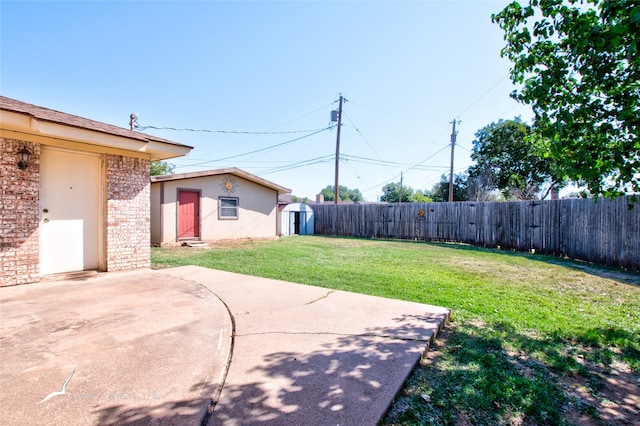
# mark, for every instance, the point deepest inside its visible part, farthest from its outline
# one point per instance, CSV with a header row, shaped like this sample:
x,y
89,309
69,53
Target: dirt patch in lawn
x,y
612,395
606,395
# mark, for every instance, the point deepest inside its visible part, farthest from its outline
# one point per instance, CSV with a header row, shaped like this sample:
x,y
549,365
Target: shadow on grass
x,y
496,375
342,379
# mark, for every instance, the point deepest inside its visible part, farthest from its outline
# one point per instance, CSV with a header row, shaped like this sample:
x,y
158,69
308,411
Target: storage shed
x,y
296,219
213,205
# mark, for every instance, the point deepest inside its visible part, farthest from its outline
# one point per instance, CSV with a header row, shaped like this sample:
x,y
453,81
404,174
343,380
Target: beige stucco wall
x,y
257,209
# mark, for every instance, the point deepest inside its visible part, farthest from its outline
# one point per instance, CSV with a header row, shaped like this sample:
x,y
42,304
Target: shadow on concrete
x,y
351,380
167,413
347,380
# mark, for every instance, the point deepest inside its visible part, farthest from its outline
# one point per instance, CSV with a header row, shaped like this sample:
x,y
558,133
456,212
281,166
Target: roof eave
x,y
230,170
42,125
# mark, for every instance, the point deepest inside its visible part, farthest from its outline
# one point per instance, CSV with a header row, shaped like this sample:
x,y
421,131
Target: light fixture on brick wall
x,y
23,158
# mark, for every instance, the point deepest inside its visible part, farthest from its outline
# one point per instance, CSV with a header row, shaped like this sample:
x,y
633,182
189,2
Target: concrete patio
x,y
192,345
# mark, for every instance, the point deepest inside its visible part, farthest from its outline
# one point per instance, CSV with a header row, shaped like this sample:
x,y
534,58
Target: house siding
x,y
128,224
19,214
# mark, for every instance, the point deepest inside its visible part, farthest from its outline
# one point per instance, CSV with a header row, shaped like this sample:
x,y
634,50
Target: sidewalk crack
x,y
320,298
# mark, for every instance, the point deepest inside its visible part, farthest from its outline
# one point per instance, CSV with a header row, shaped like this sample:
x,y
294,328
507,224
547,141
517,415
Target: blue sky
x,y
407,69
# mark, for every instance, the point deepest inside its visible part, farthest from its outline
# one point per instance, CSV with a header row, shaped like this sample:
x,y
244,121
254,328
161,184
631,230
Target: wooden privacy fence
x,y
604,231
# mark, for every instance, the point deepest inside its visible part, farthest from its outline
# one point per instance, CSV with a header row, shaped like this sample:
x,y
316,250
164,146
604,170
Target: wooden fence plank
x,y
604,231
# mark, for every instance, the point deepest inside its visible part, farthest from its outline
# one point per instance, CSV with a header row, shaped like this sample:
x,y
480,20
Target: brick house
x,y
81,201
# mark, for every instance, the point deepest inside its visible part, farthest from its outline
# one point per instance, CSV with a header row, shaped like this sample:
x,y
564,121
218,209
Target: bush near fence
x,y
601,231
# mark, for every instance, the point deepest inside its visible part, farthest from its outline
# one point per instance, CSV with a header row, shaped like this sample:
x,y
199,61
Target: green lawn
x,y
533,339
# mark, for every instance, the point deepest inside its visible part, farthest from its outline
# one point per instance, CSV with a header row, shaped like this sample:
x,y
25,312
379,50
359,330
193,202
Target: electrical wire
x,y
304,115
459,114
373,161
482,96
411,168
354,171
365,140
303,163
345,158
234,132
262,149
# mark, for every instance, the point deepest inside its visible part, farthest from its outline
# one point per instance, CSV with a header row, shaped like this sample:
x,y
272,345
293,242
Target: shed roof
x,y
229,170
162,148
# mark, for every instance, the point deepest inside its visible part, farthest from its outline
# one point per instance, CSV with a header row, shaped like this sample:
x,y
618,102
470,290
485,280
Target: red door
x,y
188,214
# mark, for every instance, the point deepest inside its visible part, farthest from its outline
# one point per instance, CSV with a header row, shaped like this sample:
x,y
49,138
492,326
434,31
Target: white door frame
x,y
101,188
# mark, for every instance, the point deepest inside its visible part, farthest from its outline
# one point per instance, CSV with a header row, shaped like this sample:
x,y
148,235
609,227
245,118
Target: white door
x,y
70,217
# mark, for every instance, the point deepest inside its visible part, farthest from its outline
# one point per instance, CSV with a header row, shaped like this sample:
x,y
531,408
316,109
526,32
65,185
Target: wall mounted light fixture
x,y
23,158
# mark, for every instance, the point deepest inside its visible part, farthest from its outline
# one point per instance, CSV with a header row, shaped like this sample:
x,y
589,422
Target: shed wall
x,y
257,212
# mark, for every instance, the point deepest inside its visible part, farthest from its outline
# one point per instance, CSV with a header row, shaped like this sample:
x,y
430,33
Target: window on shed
x,y
228,208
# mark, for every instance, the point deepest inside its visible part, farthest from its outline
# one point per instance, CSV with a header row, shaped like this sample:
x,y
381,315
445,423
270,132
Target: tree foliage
x,y
344,193
577,65
158,168
440,191
421,197
396,193
507,160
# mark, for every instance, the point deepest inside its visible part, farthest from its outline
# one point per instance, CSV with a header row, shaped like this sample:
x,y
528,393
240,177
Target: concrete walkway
x,y
161,347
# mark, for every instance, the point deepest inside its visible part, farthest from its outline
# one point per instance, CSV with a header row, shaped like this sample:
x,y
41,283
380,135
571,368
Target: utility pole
x,y
337,190
453,144
400,190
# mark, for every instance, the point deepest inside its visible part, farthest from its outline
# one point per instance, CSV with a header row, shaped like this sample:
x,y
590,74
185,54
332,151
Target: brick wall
x,y
128,244
19,214
127,231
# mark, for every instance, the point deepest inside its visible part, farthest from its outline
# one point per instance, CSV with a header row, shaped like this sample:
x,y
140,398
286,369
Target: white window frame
x,y
222,208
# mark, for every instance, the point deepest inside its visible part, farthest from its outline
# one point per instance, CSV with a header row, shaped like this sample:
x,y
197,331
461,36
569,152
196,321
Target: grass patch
x,y
533,339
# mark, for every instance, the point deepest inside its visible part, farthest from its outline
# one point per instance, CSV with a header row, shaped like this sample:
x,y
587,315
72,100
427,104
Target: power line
x,y
366,141
354,171
482,96
411,168
303,163
262,149
453,142
373,161
304,115
429,157
234,132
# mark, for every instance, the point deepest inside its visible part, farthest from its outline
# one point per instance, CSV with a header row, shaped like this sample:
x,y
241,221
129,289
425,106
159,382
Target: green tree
x,y
440,191
395,193
344,193
507,160
577,64
420,197
159,168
